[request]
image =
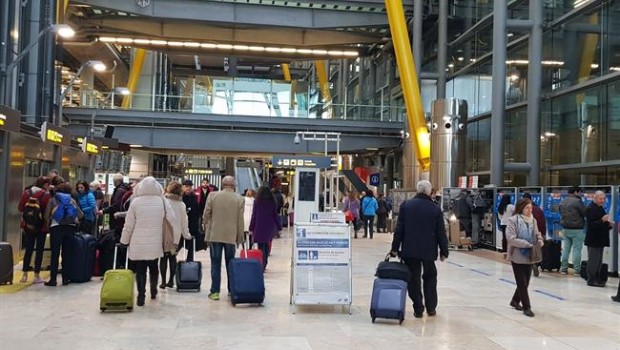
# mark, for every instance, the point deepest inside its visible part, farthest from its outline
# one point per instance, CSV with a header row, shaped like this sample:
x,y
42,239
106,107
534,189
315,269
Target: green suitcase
x,y
117,290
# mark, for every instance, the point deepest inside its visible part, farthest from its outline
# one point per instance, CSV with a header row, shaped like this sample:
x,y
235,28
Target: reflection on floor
x,y
473,313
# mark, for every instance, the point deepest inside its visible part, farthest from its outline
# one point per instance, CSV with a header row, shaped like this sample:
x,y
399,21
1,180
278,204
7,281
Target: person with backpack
x,y
369,208
62,215
32,205
88,205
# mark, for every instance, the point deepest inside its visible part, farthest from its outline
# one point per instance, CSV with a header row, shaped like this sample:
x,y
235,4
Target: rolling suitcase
x,y
6,263
189,273
117,290
603,274
246,281
46,263
393,270
551,255
388,299
82,252
254,254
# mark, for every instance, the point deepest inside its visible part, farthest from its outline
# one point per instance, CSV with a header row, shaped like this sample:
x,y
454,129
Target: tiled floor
x,y
473,313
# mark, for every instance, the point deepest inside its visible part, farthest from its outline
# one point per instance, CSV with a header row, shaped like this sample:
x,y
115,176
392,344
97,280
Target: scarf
x,y
525,231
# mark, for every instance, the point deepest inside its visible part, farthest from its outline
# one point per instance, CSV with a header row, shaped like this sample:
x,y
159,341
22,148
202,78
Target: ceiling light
x,y
159,42
460,59
319,52
335,53
191,44
63,30
451,65
256,48
224,46
124,40
272,49
135,146
351,53
304,51
97,65
175,43
241,47
288,50
208,46
123,91
141,41
107,39
549,134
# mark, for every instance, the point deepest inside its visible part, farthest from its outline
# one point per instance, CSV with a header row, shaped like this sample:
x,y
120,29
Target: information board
x,y
321,265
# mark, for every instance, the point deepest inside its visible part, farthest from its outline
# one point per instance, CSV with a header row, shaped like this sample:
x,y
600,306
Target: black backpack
x,y
32,214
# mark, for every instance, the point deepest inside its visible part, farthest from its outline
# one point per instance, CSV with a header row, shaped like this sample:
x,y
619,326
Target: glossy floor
x,y
473,313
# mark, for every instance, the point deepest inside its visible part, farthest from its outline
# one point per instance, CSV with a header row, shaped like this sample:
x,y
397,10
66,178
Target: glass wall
x,y
478,150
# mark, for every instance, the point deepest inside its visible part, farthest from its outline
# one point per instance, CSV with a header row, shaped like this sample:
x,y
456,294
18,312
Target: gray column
x,y
534,87
30,95
498,103
49,70
4,183
4,42
416,36
442,48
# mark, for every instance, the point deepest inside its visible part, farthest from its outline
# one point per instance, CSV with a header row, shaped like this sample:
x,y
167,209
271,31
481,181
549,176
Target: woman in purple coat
x,y
265,222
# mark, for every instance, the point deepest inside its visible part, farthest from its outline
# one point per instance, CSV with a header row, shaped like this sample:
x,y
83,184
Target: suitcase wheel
x,y
102,309
373,320
401,321
234,304
129,308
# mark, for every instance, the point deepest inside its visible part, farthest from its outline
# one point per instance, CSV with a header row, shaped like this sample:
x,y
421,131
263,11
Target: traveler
x,y
223,224
95,187
143,233
597,237
369,208
277,193
174,196
62,214
194,216
382,213
247,213
463,207
572,212
541,222
88,204
116,203
203,192
504,211
419,235
265,222
522,234
32,206
352,206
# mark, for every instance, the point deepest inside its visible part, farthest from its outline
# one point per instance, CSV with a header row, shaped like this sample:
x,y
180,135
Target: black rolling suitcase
x,y
82,255
551,255
189,273
6,263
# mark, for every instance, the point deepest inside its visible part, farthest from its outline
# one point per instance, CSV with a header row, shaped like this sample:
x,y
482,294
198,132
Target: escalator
x,y
355,180
246,178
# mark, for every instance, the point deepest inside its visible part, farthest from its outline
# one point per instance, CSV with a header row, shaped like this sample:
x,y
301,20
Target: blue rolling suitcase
x,y
388,299
82,256
189,273
246,281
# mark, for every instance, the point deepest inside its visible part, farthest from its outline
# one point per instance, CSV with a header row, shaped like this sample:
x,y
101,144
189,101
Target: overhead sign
x,y
9,119
89,146
194,171
301,161
56,135
375,179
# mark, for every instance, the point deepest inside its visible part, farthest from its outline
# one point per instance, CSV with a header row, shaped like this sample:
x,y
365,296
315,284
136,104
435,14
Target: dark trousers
x,y
264,247
140,268
595,261
504,241
60,238
168,259
419,282
382,222
368,224
522,274
216,250
32,240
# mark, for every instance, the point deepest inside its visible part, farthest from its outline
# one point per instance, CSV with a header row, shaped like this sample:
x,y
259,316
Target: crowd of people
x,y
360,212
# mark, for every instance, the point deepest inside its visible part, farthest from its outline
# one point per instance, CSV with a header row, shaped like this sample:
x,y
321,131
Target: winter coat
x,y
573,212
265,221
180,224
193,213
145,219
352,205
116,205
539,215
369,206
223,217
515,244
88,205
420,230
44,198
382,209
247,213
597,234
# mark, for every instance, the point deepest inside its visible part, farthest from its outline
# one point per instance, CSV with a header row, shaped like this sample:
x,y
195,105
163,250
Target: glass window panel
x,y
515,136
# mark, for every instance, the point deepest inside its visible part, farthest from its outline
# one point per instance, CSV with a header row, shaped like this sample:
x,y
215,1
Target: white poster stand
x,y
321,265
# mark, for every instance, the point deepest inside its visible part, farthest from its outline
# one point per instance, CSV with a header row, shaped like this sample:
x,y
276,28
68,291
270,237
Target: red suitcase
x,y
255,254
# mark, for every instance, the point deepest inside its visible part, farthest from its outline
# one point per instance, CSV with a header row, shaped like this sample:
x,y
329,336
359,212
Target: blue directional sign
x,y
375,179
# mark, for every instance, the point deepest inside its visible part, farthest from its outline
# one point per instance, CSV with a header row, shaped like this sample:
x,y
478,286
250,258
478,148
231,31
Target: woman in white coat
x,y
174,195
143,232
247,213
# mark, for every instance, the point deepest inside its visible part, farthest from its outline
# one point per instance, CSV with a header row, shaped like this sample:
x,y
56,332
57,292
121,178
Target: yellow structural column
x,y
286,71
409,82
134,75
321,72
61,10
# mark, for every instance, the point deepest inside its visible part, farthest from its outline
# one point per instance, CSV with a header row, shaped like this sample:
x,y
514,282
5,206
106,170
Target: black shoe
x,y
596,284
140,301
364,236
536,271
355,236
432,313
170,284
50,283
516,306
528,313
65,282
418,314
154,293
162,286
616,298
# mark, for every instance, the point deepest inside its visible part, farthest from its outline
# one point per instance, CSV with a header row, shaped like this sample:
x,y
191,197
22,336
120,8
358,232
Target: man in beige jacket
x,y
223,224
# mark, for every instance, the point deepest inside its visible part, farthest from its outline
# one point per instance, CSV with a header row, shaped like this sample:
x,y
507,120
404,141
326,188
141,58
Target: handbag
x,y
168,244
536,254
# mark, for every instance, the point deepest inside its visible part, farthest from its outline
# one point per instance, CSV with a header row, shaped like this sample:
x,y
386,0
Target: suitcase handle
x,y
116,246
388,256
186,250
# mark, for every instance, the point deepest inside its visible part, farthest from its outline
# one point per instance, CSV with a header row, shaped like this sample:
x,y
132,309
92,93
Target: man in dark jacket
x,y
193,216
597,237
463,207
420,233
203,192
572,212
116,204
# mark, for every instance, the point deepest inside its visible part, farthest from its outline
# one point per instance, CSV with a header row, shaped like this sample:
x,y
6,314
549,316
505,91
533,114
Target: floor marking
x,y
480,272
549,294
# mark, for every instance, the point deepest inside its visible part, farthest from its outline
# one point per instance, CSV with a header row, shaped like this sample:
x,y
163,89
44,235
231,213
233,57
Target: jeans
x,y
415,284
522,274
30,240
60,237
264,247
141,266
573,239
368,224
595,262
216,263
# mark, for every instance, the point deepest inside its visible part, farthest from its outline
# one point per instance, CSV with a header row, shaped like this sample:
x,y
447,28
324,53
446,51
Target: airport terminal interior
x,y
315,105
